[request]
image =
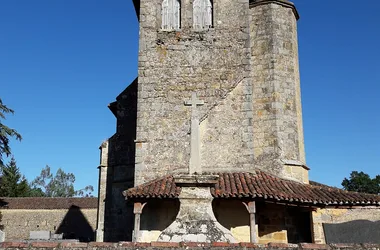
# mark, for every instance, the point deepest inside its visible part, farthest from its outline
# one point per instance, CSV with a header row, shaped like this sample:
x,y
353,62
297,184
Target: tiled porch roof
x,y
159,188
259,185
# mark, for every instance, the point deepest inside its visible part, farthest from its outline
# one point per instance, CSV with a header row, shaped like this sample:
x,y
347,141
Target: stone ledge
x,y
181,245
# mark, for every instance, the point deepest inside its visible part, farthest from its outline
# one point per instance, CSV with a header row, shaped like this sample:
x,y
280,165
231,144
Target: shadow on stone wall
x,y
274,218
358,231
75,226
276,223
164,213
230,213
118,222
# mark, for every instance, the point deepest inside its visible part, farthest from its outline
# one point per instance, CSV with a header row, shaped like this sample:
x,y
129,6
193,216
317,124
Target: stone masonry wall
x,y
277,120
73,223
347,225
226,132
174,64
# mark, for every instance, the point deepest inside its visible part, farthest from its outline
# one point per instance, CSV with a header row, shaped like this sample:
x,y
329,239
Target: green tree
x,y
6,133
59,185
13,184
36,192
362,182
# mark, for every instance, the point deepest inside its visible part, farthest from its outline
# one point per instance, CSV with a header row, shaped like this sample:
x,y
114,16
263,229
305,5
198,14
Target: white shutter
x,y
165,21
208,14
202,14
171,17
177,14
197,14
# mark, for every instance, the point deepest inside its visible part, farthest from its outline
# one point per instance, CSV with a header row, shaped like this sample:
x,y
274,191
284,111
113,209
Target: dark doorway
x,y
299,227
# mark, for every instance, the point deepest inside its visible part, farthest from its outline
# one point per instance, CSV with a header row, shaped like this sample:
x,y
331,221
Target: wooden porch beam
x,y
137,210
251,207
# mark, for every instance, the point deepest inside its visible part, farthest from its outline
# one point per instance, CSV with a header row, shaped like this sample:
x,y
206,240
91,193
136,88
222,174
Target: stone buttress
x,y
277,116
116,171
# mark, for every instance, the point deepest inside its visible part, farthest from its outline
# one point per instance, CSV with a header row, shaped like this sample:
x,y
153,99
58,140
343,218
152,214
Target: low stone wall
x,y
179,246
73,223
75,218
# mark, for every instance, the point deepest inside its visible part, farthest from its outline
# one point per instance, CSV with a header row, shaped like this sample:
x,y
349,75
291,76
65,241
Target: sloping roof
x,y
318,184
159,188
259,185
47,203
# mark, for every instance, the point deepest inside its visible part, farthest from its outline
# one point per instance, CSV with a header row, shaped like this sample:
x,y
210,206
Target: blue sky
x,y
63,61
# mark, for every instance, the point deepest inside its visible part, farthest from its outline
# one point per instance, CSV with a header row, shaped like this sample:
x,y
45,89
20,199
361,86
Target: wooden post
x,y
137,210
251,207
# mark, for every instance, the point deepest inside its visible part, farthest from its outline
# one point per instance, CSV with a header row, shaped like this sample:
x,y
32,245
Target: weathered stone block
x,y
39,235
2,236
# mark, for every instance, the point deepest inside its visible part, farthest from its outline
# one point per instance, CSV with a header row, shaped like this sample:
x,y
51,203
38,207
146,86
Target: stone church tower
x,y
244,65
241,59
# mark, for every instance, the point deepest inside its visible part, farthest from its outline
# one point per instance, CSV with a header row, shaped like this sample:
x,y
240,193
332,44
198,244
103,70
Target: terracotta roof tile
x,y
159,188
47,203
258,184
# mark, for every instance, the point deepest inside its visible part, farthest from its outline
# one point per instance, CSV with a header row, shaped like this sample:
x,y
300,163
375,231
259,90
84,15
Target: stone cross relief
x,y
195,153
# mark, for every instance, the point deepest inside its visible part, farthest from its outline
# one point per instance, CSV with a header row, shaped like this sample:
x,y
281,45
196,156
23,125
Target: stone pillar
x,y
251,207
195,221
277,121
102,191
137,210
318,234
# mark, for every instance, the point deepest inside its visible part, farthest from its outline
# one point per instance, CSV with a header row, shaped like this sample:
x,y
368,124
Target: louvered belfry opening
x,y
202,14
171,14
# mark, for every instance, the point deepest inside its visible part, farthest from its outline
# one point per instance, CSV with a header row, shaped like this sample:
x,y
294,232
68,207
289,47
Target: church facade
x,y
240,59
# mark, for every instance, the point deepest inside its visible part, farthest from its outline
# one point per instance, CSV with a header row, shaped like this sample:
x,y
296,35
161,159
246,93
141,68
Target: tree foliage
x,y
6,132
13,184
59,185
362,182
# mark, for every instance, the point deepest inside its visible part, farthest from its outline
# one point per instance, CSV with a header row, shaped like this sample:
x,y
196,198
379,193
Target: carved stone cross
x,y
195,154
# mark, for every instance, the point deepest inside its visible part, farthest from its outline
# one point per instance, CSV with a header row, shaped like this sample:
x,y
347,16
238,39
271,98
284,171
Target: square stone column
x,y
195,221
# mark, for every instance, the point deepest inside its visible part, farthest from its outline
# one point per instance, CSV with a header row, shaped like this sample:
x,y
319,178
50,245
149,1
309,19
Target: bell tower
x,y
190,47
